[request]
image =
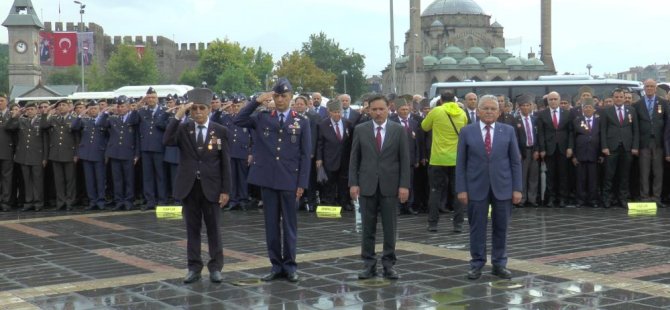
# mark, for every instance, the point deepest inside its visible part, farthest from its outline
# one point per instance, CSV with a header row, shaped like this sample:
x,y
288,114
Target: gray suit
x,y
379,174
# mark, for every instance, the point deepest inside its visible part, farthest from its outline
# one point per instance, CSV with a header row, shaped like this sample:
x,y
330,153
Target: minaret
x,y
23,27
545,54
415,39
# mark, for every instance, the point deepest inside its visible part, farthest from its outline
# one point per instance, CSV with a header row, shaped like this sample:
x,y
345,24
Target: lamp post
x,y
344,74
588,67
81,44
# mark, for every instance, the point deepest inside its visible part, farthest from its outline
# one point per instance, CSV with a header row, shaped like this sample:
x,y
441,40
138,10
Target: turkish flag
x,y
65,49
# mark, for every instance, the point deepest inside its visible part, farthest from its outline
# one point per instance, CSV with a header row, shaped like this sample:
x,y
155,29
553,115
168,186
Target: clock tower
x,y
23,27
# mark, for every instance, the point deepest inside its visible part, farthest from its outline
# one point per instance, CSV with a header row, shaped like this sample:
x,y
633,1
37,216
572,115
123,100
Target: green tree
x,y
328,56
125,67
230,67
262,66
95,80
66,76
4,72
301,71
190,76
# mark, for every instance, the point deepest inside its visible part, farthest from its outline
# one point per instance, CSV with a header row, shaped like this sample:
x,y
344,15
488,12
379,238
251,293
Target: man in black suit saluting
x,y
203,179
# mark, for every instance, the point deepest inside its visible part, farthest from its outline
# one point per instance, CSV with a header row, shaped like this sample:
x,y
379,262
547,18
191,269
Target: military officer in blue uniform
x,y
31,154
62,153
122,150
239,140
281,168
151,130
91,153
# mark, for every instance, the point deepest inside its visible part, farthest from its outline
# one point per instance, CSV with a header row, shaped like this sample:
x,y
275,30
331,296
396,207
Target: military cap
x,y
239,98
79,102
168,97
121,99
178,100
102,100
91,103
59,101
400,102
131,100
215,97
151,90
200,96
12,105
282,86
334,105
225,98
31,104
587,101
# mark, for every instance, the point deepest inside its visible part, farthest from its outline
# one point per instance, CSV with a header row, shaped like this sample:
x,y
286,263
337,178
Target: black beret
x,y
282,86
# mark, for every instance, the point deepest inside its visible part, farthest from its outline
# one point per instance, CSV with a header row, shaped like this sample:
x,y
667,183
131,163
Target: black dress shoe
x,y
69,208
501,272
348,207
293,277
191,277
128,206
474,273
6,208
458,228
391,274
90,208
215,276
26,208
272,276
431,228
368,273
118,207
412,211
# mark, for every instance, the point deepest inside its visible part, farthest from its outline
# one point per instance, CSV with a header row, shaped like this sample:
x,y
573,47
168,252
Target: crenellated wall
x,y
171,58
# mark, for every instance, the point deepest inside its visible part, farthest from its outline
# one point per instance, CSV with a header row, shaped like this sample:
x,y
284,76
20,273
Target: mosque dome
x,y
491,60
513,61
469,61
534,62
429,60
437,23
477,52
496,25
453,51
444,7
498,51
446,60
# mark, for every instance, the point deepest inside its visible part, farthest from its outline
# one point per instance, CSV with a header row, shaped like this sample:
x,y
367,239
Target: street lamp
x,y
81,44
589,66
344,74
204,84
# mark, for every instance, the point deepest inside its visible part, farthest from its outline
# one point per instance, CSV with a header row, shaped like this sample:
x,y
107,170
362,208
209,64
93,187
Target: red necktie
x,y
529,135
487,140
337,132
554,120
620,117
406,125
379,138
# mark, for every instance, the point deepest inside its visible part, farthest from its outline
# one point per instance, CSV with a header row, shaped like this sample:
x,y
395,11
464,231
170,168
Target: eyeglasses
x,y
198,107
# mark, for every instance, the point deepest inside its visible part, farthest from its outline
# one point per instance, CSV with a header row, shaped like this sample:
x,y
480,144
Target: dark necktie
x,y
281,119
529,134
620,116
472,117
487,140
346,114
379,138
337,132
201,136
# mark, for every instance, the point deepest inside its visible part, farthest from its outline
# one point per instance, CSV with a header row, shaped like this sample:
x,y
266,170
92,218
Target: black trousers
x,y
196,210
615,184
64,179
6,177
442,181
370,207
33,176
557,177
336,190
587,182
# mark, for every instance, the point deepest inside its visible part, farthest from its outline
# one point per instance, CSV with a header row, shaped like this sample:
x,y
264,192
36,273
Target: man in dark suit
x,y
556,143
651,114
415,143
587,154
471,107
379,175
151,129
620,139
203,179
332,153
488,171
6,155
281,164
526,134
348,113
317,107
91,153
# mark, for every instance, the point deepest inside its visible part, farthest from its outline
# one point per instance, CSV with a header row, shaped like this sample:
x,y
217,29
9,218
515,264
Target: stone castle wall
x,y
171,58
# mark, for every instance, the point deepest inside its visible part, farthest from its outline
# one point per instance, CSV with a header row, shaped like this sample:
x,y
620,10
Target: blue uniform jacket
x,y
93,139
123,139
281,154
239,138
151,129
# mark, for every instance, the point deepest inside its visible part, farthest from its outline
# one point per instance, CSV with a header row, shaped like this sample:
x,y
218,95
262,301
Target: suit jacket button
x,y
277,157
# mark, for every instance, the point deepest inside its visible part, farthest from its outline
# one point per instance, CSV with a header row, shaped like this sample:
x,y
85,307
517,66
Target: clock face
x,y
21,47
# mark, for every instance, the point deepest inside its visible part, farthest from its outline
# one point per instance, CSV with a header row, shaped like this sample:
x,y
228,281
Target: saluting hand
x,y
262,98
182,110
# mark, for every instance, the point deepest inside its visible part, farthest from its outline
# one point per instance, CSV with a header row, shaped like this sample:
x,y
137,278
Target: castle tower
x,y
23,27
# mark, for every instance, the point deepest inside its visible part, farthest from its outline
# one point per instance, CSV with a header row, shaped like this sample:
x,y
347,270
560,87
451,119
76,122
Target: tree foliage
x,y
126,67
66,76
302,71
328,56
228,66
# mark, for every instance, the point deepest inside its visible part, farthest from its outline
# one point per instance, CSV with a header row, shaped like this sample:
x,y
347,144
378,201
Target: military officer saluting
x,y
151,129
6,155
62,153
281,168
91,153
121,150
31,154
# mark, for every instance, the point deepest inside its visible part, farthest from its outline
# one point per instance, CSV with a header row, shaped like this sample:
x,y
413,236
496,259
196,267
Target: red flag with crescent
x,y
65,49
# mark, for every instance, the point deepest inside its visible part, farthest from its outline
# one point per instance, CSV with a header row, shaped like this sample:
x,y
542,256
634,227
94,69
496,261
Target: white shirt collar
x,y
375,125
206,124
482,125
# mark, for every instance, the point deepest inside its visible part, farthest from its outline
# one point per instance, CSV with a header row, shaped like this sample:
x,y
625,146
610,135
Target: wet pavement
x,y
560,259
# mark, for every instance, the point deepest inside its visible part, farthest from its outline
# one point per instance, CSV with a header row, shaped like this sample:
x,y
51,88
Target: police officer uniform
x,y
62,151
121,150
280,166
91,153
31,154
151,129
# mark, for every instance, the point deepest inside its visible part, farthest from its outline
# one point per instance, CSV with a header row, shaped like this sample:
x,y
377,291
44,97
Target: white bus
x,y
567,86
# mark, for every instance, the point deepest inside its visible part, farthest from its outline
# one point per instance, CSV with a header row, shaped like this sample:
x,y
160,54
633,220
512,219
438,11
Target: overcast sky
x,y
611,35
